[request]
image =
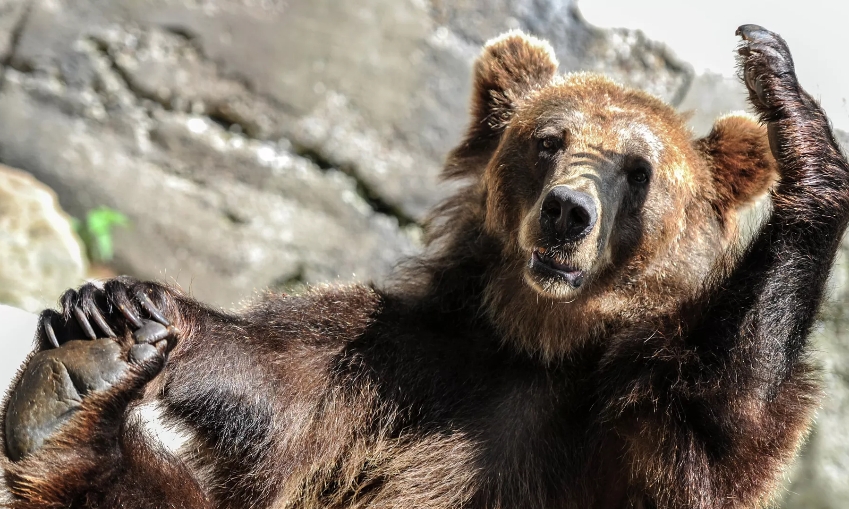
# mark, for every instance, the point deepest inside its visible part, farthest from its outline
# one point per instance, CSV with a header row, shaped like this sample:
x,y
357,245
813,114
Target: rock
x,y
40,255
222,214
12,13
625,55
710,96
261,144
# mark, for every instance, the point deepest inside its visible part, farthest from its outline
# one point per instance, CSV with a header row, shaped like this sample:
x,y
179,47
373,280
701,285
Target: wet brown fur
x,y
677,378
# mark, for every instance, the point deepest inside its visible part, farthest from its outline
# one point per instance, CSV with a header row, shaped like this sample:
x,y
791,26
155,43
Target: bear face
x,y
600,199
594,184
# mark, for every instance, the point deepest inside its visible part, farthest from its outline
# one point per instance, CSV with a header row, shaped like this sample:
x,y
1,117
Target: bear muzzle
x,y
567,215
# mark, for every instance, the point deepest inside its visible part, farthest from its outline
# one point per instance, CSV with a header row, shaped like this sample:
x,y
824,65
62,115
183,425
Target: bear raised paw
x,y
584,328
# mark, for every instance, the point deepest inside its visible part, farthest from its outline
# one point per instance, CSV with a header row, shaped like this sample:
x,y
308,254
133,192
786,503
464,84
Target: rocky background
x,y
261,144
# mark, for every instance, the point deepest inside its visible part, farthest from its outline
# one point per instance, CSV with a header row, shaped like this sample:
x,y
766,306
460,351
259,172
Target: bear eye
x,y
639,177
639,172
550,144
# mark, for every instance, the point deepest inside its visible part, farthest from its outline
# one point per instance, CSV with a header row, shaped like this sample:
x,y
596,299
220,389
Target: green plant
x,y
96,232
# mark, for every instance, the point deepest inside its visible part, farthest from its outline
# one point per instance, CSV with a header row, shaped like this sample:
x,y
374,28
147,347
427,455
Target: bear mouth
x,y
544,263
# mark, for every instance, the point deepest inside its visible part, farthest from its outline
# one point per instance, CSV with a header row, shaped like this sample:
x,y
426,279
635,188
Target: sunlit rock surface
x,y
40,255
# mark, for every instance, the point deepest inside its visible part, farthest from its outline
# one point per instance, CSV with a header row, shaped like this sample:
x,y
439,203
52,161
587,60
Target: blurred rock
x,y
11,14
711,96
623,54
40,256
265,144
221,213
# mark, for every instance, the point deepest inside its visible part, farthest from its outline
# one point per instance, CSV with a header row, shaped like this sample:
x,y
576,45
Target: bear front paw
x,y
123,304
766,68
101,350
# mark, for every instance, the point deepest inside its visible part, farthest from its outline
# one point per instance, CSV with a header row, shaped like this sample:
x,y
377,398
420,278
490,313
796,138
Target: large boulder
x,y
40,255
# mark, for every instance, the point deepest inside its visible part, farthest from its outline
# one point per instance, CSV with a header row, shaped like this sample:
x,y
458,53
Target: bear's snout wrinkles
x,y
567,215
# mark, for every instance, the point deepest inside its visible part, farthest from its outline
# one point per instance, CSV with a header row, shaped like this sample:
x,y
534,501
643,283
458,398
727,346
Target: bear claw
x,y
766,68
48,330
148,306
749,31
92,312
77,360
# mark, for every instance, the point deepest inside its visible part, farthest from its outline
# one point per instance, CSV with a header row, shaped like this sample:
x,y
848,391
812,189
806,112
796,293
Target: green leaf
x,y
96,232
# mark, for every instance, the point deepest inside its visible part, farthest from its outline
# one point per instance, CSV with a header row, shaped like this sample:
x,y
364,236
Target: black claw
x,y
48,329
130,314
101,322
89,295
148,306
68,302
84,323
117,293
748,32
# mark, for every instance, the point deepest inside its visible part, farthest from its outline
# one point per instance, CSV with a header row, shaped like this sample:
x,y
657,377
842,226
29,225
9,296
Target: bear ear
x,y
509,67
738,154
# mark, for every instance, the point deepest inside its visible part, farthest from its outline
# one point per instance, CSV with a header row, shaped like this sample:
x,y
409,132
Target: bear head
x,y
605,208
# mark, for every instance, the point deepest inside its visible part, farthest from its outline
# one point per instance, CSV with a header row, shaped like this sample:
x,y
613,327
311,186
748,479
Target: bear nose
x,y
567,213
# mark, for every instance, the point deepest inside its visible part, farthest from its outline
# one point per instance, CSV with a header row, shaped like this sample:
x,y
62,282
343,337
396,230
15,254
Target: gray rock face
x,y
711,96
261,144
40,256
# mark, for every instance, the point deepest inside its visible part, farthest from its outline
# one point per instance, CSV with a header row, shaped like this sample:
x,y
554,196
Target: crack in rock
x,y
225,102
20,20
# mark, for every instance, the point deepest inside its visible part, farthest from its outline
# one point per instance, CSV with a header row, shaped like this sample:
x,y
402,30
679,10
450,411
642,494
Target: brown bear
x,y
585,328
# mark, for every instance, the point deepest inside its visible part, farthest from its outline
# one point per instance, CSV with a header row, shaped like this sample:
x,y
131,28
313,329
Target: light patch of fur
x,y
172,436
385,472
737,114
645,134
531,41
